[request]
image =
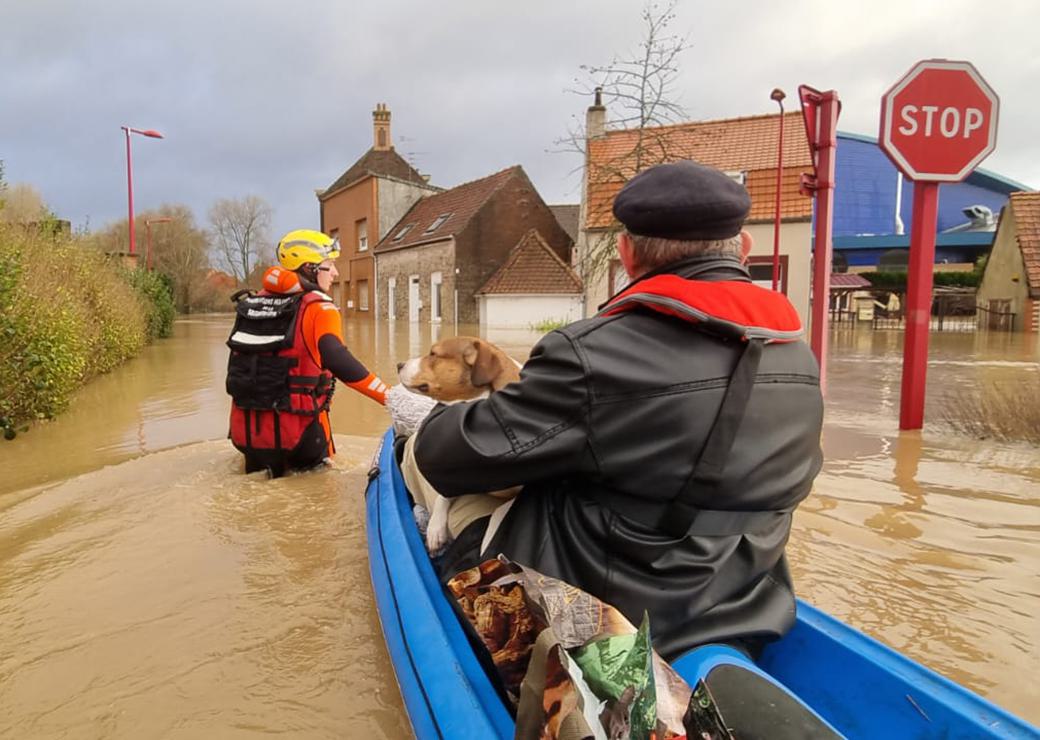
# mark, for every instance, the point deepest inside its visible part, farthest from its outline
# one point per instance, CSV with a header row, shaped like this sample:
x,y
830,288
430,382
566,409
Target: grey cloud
x,y
274,99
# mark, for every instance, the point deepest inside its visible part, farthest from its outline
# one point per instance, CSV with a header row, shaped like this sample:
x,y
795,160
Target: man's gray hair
x,y
652,252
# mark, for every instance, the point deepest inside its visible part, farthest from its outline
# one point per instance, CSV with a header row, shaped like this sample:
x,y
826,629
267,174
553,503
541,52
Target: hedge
x,y
895,281
67,313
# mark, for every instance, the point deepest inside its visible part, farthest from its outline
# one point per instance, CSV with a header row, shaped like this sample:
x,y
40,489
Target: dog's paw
x,y
437,534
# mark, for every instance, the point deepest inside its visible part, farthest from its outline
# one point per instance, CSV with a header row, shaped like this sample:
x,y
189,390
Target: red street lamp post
x,y
148,232
778,95
153,134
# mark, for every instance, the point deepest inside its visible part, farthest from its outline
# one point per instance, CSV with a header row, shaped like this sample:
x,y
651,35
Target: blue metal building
x,y
865,207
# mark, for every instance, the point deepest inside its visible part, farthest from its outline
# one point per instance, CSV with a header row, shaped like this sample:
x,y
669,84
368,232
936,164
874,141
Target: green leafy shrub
x,y
66,314
157,290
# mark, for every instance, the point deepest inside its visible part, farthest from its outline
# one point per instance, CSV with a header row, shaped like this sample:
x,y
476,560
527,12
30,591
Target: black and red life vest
x,y
729,307
278,392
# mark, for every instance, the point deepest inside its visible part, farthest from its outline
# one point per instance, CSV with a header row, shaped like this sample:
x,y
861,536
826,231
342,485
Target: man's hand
x,y
407,409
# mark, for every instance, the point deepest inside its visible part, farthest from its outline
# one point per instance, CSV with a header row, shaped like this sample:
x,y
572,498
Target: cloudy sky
x,y
275,99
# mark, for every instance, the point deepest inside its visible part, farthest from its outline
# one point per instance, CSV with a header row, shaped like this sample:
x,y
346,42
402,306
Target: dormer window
x,y
401,234
437,223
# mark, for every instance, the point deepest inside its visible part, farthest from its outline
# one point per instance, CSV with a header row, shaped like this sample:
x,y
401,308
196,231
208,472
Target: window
x,y
437,223
761,269
739,176
361,228
435,296
400,234
362,295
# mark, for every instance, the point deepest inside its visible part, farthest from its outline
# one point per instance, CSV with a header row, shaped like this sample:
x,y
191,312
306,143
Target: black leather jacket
x,y
616,409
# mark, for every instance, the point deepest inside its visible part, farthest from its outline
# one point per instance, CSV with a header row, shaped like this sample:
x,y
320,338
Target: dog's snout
x,y
399,366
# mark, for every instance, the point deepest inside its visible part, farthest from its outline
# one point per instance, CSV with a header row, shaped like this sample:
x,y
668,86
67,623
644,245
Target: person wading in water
x,y
287,350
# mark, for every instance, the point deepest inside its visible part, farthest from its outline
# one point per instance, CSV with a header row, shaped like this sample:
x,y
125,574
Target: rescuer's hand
x,y
407,409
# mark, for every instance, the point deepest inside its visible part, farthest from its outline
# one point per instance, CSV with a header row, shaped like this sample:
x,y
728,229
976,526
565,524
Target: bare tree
x,y
240,232
179,249
640,90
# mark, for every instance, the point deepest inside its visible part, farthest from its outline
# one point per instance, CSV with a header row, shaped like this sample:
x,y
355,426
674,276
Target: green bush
x,y
66,314
157,290
547,325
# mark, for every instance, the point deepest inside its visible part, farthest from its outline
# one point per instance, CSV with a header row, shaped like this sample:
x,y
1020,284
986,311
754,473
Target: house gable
x,y
375,163
532,268
1026,210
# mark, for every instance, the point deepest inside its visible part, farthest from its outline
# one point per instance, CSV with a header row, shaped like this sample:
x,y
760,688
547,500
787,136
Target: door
x,y
391,299
413,298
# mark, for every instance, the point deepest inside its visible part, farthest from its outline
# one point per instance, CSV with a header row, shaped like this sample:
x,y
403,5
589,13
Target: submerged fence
x,y
952,310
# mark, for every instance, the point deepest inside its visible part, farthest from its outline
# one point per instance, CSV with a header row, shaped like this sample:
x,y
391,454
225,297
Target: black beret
x,y
682,200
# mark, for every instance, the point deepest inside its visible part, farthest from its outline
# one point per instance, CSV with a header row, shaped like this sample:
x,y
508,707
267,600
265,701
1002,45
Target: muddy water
x,y
147,589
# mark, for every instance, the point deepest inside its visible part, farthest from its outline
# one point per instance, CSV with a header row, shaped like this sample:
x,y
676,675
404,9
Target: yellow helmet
x,y
304,246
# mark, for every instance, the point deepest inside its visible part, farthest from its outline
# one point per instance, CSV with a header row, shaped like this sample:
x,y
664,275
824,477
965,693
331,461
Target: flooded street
x,y
148,589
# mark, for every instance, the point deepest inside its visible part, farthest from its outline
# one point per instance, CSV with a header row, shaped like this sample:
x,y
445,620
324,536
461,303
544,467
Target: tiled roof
x,y
461,202
848,280
1026,207
732,145
567,216
384,162
532,267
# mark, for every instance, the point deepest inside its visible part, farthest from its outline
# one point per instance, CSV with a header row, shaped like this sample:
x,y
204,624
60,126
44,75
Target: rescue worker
x,y
287,350
662,444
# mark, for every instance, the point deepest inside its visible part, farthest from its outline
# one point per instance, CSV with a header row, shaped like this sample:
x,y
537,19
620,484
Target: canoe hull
x,y
861,687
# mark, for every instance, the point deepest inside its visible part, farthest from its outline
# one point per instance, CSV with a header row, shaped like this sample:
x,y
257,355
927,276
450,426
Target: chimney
x,y
381,128
596,117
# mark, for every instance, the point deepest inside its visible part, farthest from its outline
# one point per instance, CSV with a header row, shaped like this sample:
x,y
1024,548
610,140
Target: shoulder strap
x,y
682,517
682,512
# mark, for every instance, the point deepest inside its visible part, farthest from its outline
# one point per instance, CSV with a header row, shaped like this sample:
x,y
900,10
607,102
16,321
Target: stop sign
x,y
939,121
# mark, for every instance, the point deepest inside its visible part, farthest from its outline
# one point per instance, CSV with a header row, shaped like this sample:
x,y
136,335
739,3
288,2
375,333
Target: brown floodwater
x,y
149,589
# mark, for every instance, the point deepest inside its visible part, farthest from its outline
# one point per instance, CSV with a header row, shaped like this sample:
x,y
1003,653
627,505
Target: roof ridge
x,y
485,177
705,122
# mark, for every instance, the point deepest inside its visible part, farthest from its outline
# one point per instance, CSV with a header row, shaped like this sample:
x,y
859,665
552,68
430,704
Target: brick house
x,y
533,285
361,206
431,264
1011,283
743,147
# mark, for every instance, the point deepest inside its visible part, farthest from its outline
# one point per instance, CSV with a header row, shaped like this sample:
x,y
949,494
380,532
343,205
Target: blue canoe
x,y
860,687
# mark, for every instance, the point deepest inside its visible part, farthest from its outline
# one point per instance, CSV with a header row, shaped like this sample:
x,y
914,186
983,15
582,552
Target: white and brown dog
x,y
455,370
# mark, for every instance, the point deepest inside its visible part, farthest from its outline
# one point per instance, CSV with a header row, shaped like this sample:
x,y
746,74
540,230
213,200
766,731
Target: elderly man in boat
x,y
663,444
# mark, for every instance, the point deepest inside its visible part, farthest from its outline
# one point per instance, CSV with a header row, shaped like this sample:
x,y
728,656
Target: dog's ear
x,y
486,367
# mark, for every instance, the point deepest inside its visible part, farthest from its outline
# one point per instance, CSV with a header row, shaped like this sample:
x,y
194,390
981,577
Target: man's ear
x,y
746,243
627,254
485,365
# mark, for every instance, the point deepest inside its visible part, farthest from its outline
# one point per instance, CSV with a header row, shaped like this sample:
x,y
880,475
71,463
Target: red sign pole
x,y
937,123
825,146
918,304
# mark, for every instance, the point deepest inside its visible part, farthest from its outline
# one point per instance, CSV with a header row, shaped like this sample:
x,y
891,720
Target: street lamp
x,y
148,232
778,95
153,134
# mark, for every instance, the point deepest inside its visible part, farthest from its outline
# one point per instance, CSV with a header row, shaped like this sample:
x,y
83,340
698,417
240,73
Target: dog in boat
x,y
455,370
